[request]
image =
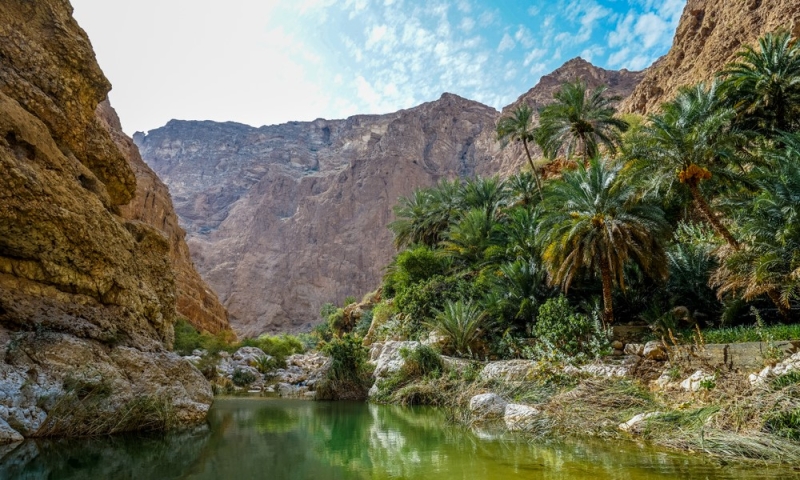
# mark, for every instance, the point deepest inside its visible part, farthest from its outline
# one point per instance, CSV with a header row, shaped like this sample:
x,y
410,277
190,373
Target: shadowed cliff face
x,y
83,291
709,34
152,205
284,218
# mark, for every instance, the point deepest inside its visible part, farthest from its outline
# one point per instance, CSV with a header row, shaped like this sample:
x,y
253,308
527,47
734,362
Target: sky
x,y
263,62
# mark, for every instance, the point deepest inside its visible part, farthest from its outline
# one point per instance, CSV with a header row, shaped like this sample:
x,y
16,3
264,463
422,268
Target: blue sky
x,y
265,62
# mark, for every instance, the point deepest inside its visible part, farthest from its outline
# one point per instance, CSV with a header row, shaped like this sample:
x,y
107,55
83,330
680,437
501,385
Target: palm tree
x,y
594,221
426,214
462,324
690,141
579,120
764,85
769,260
518,126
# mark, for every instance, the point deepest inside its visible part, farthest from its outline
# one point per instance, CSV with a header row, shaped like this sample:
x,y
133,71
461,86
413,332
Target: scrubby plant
x,y
349,376
559,326
421,361
242,377
461,323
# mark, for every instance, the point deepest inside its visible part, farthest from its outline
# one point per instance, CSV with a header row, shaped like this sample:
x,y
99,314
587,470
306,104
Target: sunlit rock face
x,y
709,34
85,294
281,219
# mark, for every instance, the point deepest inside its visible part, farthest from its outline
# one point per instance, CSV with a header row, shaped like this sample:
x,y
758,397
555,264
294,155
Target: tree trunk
x,y
608,307
776,299
533,169
712,219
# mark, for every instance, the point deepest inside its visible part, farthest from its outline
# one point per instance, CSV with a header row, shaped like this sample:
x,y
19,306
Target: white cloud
x,y
506,43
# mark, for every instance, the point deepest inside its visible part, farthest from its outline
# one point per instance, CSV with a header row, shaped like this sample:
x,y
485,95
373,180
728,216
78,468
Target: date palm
x,y
593,221
518,127
579,121
424,216
764,85
769,260
688,143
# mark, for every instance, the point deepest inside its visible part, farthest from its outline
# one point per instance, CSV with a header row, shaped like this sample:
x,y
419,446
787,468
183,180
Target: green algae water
x,y
250,438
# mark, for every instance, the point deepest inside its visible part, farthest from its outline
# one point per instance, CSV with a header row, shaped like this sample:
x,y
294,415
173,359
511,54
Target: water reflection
x,y
285,439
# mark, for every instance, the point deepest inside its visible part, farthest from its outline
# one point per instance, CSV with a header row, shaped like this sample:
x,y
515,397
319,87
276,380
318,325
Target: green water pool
x,y
253,438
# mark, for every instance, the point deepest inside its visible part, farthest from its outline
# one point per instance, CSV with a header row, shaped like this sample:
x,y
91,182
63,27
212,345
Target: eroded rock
x,y
487,406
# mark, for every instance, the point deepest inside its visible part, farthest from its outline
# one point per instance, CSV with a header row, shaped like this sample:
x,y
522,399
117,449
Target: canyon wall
x,y
152,204
709,34
281,219
87,297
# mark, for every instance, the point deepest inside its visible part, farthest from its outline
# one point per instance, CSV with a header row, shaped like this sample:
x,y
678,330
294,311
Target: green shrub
x,y
362,327
422,301
243,378
349,300
412,266
784,424
461,323
277,346
349,376
188,339
421,362
559,326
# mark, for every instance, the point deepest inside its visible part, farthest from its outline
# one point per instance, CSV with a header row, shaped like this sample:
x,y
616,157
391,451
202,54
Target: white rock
x,y
386,357
695,380
373,390
509,370
634,349
634,422
520,417
249,356
654,350
8,434
486,406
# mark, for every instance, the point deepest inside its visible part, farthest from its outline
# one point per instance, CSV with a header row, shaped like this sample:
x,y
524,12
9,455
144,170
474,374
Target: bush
x,y
277,346
421,362
243,378
461,323
413,266
188,339
422,301
362,327
559,326
349,376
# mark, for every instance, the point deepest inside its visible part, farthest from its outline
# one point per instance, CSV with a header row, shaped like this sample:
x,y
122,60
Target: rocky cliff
x,y
283,218
87,297
152,204
709,34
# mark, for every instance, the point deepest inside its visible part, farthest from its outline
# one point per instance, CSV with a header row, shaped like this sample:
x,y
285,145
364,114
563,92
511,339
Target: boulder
x,y
509,370
249,356
386,357
487,406
520,417
655,350
634,349
8,434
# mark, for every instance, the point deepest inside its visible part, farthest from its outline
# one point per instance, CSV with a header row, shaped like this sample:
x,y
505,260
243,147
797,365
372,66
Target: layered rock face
x,y
709,34
284,218
152,205
86,296
281,219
